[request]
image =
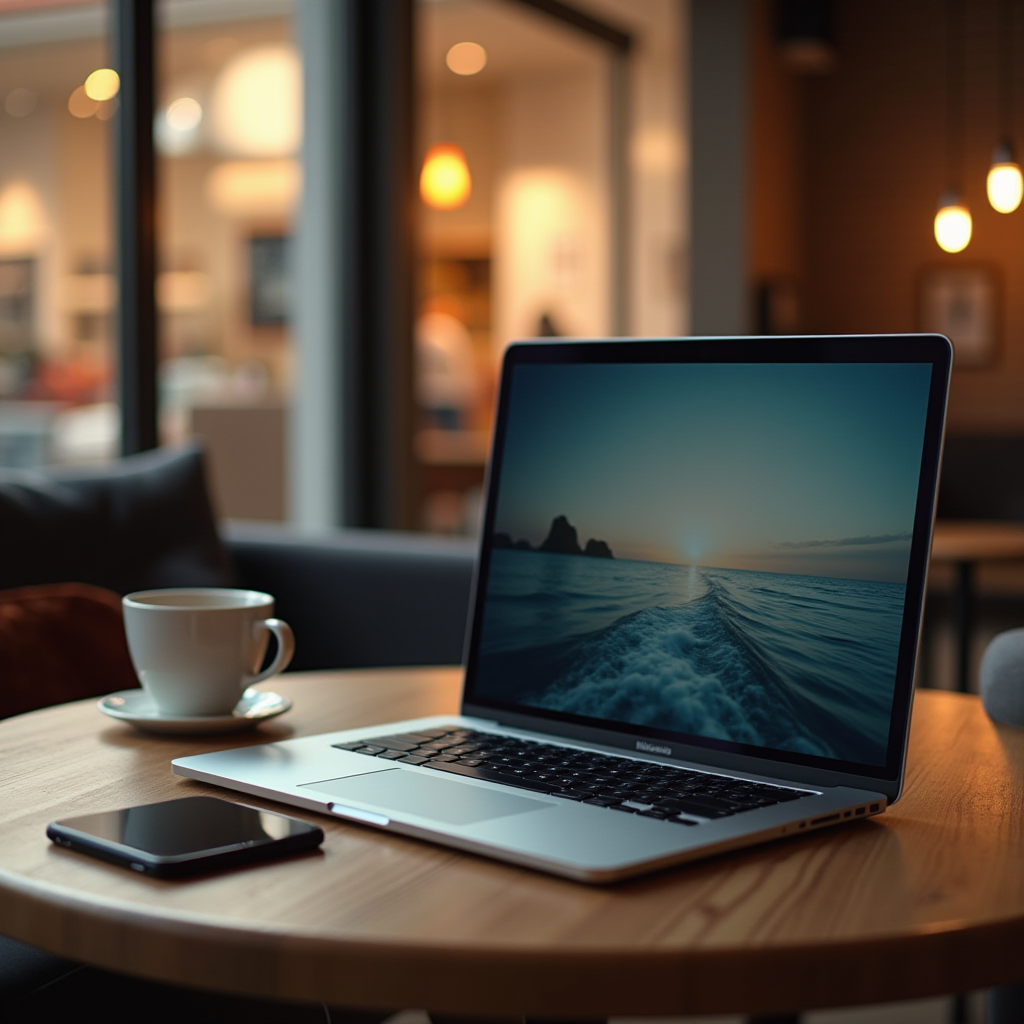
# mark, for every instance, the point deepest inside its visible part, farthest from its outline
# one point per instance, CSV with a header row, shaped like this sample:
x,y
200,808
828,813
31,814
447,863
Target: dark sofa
x,y
355,598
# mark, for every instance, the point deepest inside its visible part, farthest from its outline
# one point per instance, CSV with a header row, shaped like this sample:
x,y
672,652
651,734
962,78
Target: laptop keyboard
x,y
652,790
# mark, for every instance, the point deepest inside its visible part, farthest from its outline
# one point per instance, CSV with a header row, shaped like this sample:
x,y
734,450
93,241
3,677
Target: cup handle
x,y
285,649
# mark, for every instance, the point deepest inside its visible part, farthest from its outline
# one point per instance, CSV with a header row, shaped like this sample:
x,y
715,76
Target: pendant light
x,y
953,225
445,183
1005,183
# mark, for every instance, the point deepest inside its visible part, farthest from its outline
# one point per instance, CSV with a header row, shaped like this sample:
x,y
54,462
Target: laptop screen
x,y
685,541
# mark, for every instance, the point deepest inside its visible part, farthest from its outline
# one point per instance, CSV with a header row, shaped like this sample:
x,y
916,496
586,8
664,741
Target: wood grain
x,y
927,899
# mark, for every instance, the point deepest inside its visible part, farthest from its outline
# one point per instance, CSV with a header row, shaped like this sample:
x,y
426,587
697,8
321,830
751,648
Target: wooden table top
x,y
926,899
968,540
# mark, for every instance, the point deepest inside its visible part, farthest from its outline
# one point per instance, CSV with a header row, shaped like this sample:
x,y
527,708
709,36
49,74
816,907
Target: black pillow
x,y
142,522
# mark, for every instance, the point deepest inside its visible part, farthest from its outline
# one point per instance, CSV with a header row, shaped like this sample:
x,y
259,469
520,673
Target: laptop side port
x,y
825,820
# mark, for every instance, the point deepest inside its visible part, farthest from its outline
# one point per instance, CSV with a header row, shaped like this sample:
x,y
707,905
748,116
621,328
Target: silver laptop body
x,y
696,613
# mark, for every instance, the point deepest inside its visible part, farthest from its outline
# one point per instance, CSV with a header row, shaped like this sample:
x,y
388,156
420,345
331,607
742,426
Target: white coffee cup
x,y
196,650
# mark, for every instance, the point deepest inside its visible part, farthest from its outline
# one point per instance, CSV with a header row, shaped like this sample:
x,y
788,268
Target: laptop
x,y
696,610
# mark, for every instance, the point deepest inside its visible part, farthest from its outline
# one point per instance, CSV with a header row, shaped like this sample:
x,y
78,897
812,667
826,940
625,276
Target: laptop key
x,y
412,759
391,744
412,738
702,808
487,775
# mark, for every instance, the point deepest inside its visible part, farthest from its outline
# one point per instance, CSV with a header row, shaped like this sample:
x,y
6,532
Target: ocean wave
x,y
793,663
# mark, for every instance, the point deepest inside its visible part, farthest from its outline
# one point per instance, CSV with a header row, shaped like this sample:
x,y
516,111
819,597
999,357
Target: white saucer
x,y
137,708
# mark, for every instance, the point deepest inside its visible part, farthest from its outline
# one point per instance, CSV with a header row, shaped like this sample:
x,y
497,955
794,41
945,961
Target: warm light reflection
x,y
23,223
1005,187
20,102
466,58
256,103
245,188
184,114
102,85
953,226
181,291
80,105
445,183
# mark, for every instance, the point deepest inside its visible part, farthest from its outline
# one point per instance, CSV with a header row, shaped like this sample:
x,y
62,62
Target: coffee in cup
x,y
196,650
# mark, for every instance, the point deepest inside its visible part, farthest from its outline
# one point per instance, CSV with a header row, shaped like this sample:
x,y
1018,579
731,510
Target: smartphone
x,y
176,838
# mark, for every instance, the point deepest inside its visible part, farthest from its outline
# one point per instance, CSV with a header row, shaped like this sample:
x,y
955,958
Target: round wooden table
x,y
965,543
926,899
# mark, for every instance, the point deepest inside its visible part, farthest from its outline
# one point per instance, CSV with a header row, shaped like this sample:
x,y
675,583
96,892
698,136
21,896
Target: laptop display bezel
x,y
933,350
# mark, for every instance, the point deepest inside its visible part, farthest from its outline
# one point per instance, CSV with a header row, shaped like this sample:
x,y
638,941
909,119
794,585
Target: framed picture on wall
x,y
269,280
962,303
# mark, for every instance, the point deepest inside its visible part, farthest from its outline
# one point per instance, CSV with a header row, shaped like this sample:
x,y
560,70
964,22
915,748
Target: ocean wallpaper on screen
x,y
713,550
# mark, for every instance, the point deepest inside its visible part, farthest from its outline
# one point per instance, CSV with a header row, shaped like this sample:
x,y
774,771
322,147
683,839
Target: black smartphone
x,y
182,837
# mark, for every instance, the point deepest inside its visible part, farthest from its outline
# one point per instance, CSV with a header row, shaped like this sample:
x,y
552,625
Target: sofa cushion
x,y
143,522
60,642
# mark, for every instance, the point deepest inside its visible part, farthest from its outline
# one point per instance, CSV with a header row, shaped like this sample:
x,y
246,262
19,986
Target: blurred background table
x,y
964,544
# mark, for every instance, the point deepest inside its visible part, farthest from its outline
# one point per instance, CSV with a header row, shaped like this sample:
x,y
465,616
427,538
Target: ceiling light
x,y
466,58
952,224
256,103
184,114
1005,184
176,129
445,183
102,85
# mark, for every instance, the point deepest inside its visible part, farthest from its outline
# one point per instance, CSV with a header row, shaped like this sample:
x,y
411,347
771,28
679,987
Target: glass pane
x,y
56,287
228,130
527,173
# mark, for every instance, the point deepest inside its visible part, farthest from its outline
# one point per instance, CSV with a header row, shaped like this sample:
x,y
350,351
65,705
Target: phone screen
x,y
179,836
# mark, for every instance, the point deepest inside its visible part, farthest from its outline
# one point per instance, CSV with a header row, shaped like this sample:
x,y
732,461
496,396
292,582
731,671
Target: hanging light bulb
x,y
445,183
1005,182
952,224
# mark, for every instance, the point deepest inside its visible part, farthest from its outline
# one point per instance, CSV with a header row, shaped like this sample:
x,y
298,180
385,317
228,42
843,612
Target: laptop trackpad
x,y
455,803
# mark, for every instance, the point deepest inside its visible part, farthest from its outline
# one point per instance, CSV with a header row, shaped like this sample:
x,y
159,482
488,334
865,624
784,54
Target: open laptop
x,y
696,612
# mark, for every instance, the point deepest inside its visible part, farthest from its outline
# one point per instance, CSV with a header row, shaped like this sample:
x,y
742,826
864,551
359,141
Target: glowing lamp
x,y
256,103
184,114
102,85
445,183
1005,182
466,58
952,224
